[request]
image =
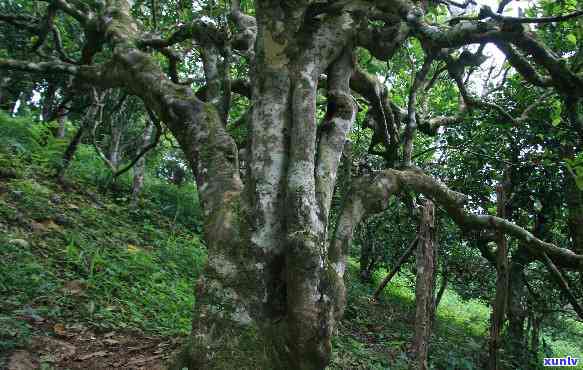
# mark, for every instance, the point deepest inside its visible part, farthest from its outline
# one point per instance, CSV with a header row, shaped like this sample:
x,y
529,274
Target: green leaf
x,y
556,121
572,39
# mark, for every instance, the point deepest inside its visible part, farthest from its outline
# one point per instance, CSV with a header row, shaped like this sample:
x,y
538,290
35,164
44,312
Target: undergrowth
x,y
82,254
378,335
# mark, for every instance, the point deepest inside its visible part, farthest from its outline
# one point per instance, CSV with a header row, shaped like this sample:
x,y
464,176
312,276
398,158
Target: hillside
x,y
88,281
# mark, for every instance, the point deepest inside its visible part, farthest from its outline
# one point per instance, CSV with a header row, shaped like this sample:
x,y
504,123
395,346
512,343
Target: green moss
x,y
246,346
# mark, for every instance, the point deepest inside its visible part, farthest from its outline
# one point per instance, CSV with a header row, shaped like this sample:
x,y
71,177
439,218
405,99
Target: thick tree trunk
x,y
425,286
273,286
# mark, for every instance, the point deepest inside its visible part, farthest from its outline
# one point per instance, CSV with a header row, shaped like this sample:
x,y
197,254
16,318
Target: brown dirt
x,y
74,346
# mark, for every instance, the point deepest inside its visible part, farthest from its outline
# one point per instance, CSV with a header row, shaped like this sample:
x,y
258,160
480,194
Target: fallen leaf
x,y
37,227
132,248
74,287
50,224
59,329
111,342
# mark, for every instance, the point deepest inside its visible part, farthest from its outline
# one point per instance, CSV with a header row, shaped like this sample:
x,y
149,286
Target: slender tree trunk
x,y
424,286
70,153
367,256
499,305
4,95
442,288
535,332
62,128
574,197
17,103
140,166
517,304
115,144
74,143
404,257
48,103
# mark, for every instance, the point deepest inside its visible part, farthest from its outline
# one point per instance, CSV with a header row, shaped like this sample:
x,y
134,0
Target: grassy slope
x,y
80,258
377,335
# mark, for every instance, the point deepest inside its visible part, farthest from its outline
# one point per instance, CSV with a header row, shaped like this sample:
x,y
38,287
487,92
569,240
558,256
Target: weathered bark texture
x,y
499,304
425,286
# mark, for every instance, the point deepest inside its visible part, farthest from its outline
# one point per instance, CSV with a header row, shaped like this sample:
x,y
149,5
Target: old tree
x,y
273,288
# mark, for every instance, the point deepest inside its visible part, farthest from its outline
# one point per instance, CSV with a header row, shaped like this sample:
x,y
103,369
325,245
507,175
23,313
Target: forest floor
x,y
82,288
89,282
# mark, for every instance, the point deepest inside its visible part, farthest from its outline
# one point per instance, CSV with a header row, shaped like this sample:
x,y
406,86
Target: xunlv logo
x,y
561,361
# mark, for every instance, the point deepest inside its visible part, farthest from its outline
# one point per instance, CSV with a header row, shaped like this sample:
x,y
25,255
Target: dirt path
x,y
60,346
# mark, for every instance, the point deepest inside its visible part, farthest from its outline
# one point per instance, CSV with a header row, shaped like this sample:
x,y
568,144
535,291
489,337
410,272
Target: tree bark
x,y
425,286
499,304
62,128
90,115
48,103
517,304
115,145
140,166
535,332
367,256
4,95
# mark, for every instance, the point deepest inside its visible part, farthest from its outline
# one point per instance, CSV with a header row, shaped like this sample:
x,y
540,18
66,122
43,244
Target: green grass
x,y
83,255
130,269
90,258
377,335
